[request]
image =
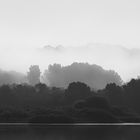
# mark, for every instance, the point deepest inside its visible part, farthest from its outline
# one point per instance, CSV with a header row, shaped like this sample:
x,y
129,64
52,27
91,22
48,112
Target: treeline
x,y
77,103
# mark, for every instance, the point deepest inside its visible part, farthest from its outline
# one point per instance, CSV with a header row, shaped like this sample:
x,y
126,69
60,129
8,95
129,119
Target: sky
x,y
106,28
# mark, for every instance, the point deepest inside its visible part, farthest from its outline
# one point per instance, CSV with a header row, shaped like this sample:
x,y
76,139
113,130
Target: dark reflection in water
x,y
69,132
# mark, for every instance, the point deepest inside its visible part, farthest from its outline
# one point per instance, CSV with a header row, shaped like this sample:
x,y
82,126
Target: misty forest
x,y
78,93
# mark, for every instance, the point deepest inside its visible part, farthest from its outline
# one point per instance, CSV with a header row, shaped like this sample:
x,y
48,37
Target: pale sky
x,y
26,25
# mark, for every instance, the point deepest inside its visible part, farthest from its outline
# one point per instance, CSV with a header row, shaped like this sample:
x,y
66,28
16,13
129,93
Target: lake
x,y
101,132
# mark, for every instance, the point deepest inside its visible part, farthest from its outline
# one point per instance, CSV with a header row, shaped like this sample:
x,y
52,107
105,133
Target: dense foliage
x,y
77,103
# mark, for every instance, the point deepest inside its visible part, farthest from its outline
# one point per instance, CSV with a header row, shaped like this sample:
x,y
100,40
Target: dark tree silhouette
x,y
132,94
77,91
6,96
77,103
41,88
97,102
115,95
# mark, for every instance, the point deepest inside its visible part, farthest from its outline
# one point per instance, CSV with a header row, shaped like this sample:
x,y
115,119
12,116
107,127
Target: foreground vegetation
x,y
77,103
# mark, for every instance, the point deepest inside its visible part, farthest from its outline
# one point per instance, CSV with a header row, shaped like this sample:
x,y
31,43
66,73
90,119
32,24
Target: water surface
x,y
69,132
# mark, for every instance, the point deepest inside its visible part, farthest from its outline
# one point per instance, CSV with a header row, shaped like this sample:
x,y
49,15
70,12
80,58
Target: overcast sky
x,y
26,25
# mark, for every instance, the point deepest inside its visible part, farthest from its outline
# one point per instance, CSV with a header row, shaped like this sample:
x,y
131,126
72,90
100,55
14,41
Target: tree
x,y
34,75
77,91
132,94
41,88
97,102
115,94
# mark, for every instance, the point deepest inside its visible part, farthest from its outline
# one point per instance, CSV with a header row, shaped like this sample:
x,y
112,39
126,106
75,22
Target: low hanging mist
x,y
93,75
60,76
121,59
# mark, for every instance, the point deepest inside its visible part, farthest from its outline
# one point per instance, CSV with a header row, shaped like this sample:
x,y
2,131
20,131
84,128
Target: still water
x,y
69,132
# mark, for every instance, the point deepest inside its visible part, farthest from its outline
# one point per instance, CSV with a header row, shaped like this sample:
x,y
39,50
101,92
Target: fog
x,y
122,59
116,57
93,75
12,77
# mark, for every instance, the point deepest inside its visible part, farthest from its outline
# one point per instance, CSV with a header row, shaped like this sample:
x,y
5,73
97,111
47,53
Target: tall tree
x,y
34,75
